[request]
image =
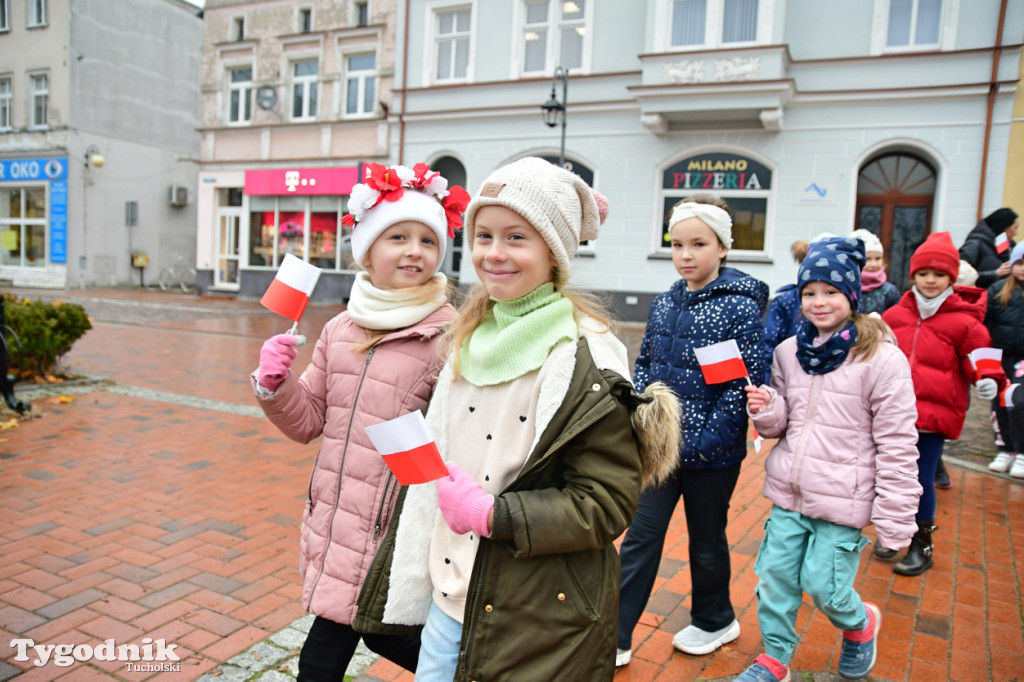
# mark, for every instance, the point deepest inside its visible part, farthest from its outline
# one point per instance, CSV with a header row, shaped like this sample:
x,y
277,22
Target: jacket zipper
x,y
812,407
913,342
341,469
467,632
380,509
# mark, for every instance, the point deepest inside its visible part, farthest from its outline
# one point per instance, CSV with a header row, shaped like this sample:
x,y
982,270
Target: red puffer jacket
x,y
937,349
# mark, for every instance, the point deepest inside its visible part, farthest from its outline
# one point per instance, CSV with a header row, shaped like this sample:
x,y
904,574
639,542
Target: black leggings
x,y
329,647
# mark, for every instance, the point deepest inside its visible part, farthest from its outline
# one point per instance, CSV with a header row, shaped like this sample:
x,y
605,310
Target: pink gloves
x,y
275,358
463,502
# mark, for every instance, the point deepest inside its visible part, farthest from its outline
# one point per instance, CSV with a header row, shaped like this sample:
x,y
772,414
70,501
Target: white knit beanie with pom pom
x,y
557,203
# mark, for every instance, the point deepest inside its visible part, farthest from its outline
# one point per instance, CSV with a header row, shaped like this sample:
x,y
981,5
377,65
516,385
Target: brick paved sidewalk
x,y
156,505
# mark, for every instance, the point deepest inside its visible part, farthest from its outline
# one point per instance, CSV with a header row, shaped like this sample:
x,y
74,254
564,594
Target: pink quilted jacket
x,y
351,490
848,447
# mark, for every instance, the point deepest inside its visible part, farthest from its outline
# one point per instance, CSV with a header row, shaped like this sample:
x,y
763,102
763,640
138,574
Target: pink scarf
x,y
869,281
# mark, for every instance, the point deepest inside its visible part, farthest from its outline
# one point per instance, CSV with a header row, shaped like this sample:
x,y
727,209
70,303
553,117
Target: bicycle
x,y
182,273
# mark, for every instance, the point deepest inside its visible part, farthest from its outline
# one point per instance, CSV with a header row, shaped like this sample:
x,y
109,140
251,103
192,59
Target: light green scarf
x,y
517,336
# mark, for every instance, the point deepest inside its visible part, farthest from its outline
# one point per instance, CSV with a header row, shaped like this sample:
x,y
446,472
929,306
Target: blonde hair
x,y
424,293
1006,292
872,332
478,304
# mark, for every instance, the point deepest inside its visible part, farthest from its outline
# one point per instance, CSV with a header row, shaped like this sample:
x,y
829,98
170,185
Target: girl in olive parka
x,y
509,563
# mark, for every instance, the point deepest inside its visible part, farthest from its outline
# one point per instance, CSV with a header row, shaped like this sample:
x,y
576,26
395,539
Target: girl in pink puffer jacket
x,y
842,404
374,362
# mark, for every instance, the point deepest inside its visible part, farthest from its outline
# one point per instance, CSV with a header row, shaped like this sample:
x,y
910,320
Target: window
x,y
361,13
6,94
40,99
239,28
452,44
305,20
277,226
240,95
553,29
36,13
304,89
5,21
360,84
23,226
914,23
742,182
712,23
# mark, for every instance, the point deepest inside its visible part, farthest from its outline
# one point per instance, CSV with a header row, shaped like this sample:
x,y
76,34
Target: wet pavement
x,y
151,499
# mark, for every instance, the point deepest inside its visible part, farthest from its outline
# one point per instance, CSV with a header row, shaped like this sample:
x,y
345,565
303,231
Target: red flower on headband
x,y
422,176
454,206
387,181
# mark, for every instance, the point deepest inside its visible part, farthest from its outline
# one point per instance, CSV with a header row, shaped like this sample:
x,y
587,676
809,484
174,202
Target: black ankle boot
x,y
919,556
942,481
883,552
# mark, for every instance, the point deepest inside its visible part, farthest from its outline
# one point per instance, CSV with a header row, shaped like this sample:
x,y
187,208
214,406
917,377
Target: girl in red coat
x,y
937,327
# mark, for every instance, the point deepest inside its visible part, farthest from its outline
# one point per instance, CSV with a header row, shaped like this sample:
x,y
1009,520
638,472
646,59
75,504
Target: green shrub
x,y
46,329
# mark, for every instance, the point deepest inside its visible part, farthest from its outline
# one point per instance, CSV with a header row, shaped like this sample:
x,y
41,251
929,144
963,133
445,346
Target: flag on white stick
x,y
1006,397
721,362
758,440
292,287
408,449
1002,243
986,359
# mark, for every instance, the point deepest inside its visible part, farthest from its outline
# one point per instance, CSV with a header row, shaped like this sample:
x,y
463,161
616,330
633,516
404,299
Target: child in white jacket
x,y
843,406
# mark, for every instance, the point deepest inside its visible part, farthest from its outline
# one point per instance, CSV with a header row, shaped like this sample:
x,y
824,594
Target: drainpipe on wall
x,y
993,87
405,80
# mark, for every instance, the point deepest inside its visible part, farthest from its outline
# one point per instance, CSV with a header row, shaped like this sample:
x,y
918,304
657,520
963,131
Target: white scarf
x,y
382,309
929,306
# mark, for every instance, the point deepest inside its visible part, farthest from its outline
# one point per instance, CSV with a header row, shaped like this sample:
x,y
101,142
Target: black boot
x,y
919,556
942,481
883,552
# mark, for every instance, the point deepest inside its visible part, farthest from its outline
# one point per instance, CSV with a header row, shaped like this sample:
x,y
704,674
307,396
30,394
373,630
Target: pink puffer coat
x,y
848,448
351,490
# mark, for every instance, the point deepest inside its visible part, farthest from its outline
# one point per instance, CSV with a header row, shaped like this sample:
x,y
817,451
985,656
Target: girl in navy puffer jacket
x,y
709,304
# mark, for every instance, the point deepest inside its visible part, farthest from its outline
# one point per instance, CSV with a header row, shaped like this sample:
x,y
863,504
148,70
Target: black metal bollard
x,y
7,380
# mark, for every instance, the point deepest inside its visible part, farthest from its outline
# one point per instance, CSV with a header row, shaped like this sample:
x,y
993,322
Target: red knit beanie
x,y
937,252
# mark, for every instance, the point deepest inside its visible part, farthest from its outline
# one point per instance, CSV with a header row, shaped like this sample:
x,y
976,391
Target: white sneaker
x,y
1017,470
1001,463
622,657
693,640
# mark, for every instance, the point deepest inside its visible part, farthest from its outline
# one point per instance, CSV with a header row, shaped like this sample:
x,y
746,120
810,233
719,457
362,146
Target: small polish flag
x,y
1006,397
986,359
1002,243
721,362
293,284
408,449
757,440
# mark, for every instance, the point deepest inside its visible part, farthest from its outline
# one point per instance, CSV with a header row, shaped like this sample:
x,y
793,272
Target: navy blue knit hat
x,y
837,261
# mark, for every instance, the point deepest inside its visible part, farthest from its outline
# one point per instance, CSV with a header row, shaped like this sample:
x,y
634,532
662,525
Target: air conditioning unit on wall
x,y
177,195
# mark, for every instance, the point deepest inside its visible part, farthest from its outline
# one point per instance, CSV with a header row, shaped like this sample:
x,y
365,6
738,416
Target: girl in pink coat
x,y
842,404
374,362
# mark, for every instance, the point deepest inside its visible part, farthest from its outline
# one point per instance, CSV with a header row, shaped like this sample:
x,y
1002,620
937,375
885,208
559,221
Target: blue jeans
x,y
800,554
439,647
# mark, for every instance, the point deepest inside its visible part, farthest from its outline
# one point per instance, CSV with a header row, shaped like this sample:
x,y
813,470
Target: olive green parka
x,y
544,592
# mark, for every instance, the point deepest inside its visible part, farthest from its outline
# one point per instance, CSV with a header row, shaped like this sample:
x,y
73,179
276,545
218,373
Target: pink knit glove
x,y
463,502
275,358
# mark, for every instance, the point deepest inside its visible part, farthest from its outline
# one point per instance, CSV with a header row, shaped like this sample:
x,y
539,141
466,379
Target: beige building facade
x,y
295,97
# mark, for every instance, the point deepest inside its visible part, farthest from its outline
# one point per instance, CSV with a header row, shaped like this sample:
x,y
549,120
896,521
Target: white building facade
x,y
99,105
805,115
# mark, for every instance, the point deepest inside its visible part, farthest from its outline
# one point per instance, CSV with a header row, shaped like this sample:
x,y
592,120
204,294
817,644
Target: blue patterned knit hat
x,y
837,261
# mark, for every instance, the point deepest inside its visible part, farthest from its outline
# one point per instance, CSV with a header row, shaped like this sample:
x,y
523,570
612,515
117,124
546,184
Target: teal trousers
x,y
800,554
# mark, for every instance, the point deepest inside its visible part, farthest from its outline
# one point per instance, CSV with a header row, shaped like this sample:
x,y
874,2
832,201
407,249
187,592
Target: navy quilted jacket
x,y
714,426
780,322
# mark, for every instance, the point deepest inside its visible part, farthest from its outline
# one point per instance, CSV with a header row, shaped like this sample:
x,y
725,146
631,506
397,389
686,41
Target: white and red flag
x,y
1002,243
1006,397
408,449
986,359
721,362
758,440
293,284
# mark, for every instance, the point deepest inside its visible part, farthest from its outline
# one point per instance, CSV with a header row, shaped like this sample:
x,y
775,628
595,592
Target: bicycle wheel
x,y
188,279
167,279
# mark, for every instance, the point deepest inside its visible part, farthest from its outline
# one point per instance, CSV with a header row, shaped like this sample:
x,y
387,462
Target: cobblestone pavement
x,y
151,499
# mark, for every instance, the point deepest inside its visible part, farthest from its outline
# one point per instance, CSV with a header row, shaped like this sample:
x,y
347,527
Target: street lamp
x,y
93,156
553,110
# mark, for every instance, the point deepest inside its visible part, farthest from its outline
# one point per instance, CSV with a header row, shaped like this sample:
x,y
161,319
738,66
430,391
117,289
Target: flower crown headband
x,y
381,183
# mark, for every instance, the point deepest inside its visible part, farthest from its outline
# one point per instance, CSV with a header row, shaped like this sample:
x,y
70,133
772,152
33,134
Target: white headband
x,y
712,216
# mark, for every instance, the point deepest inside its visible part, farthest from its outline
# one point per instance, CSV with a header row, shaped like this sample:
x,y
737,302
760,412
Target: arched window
x,y
454,172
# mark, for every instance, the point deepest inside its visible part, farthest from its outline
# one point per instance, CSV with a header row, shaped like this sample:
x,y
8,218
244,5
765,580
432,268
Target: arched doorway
x,y
454,172
895,197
